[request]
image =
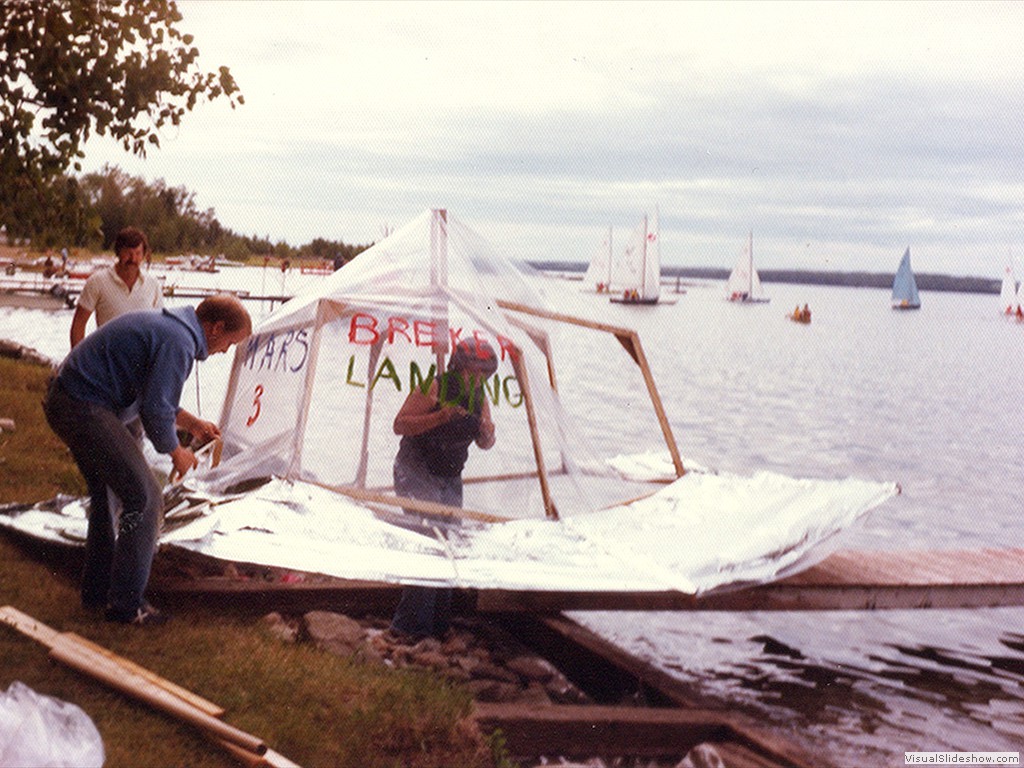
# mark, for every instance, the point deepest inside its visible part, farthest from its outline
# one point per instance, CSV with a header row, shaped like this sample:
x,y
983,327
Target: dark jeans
x,y
109,456
425,611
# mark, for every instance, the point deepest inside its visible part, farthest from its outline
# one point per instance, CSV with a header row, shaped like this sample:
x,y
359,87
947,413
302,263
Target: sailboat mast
x,y
750,266
608,282
643,262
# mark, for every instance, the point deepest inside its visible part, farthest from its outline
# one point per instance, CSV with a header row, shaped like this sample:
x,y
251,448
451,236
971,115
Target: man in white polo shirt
x,y
118,289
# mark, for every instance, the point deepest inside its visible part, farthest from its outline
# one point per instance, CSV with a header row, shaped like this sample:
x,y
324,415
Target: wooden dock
x,y
846,580
39,293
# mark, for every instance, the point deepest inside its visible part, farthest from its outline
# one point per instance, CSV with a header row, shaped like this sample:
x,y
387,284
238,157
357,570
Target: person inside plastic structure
x,y
437,429
134,365
121,288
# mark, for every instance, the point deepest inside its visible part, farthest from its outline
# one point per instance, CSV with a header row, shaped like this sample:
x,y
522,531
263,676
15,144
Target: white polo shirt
x,y
106,294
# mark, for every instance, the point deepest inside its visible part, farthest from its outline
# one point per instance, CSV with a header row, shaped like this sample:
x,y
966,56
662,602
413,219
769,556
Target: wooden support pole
x,y
417,505
531,417
637,352
145,685
197,701
95,665
50,637
631,342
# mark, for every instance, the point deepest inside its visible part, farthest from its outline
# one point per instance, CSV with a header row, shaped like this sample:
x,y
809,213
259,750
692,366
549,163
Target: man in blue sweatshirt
x,y
134,366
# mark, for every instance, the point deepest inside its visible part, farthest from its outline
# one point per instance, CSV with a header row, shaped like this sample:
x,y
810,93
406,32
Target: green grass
x,y
315,708
34,463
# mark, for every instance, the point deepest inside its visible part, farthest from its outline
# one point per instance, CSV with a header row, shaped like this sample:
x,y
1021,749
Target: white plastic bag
x,y
38,731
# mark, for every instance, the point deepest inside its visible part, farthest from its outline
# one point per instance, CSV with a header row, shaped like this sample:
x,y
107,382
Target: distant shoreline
x,y
925,281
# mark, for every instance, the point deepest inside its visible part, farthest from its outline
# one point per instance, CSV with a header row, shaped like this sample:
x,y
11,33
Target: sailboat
x,y
598,277
744,284
638,270
904,286
1009,298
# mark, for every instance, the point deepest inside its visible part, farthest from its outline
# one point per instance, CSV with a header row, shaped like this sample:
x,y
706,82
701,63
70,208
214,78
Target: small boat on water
x,y
39,293
317,268
193,263
799,315
744,284
904,286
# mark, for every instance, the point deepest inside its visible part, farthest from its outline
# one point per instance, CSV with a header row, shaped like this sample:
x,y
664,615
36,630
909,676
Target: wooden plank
x,y
593,731
1007,560
847,580
916,568
567,641
351,597
50,637
214,710
630,341
418,505
587,731
138,687
137,681
28,626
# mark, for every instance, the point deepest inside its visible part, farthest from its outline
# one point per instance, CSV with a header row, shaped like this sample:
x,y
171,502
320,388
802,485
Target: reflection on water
x,y
855,689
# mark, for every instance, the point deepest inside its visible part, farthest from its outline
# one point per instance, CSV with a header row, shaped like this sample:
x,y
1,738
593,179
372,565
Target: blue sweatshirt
x,y
137,364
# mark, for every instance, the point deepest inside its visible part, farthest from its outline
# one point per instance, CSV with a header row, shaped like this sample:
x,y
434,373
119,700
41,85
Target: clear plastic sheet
x,y
38,731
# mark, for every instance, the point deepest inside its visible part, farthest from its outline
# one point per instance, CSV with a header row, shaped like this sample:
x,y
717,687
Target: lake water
x,y
930,399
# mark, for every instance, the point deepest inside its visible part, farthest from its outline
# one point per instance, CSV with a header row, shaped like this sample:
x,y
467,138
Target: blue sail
x,y
904,287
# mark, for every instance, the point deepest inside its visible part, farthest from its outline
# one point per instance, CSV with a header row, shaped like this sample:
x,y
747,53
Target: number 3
x,y
256,406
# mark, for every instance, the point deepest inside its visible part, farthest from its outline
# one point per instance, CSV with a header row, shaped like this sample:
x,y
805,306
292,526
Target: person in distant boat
x,y
437,429
805,313
121,288
135,365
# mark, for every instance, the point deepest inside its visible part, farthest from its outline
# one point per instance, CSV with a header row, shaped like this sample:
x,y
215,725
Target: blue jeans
x,y
108,456
425,611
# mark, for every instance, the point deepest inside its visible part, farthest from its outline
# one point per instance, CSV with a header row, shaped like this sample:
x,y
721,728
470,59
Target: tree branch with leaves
x,y
71,68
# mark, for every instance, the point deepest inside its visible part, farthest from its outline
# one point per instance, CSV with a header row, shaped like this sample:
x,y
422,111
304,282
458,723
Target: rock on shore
x,y
488,661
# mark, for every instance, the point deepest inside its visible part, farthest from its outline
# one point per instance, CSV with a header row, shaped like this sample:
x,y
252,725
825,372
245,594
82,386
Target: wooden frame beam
x,y
629,339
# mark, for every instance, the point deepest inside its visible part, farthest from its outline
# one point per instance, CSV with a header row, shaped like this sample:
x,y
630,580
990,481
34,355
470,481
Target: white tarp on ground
x,y
702,532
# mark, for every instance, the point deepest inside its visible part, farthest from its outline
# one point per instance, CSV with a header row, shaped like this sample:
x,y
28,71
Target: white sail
x,y
651,287
636,272
904,286
599,273
744,284
1009,299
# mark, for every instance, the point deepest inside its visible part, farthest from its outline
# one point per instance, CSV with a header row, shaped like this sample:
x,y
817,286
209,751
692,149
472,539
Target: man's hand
x,y
202,431
183,460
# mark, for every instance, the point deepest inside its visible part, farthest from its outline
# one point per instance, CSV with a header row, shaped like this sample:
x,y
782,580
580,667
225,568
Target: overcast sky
x,y
839,133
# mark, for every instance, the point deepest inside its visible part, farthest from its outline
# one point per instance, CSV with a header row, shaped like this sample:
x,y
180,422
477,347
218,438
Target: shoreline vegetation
x,y
25,257
925,281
